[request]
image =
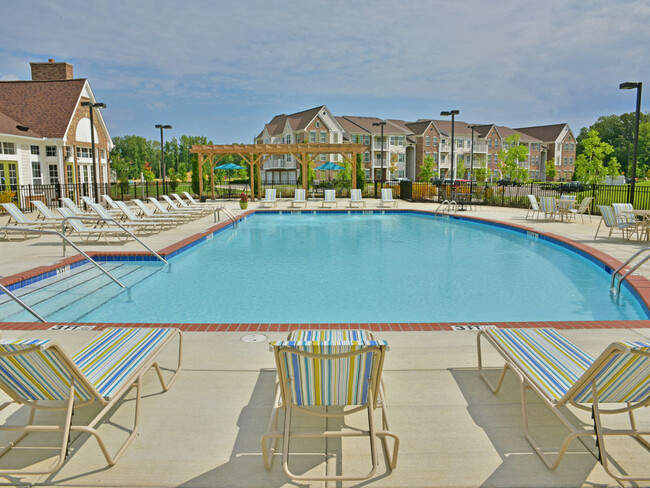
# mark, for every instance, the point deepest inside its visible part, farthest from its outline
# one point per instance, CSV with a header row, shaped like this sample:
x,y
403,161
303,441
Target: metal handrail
x,y
65,239
231,216
631,270
101,219
6,291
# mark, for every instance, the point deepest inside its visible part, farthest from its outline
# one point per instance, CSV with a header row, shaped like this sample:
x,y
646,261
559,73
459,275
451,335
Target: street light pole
x,y
628,86
90,106
162,155
381,124
451,167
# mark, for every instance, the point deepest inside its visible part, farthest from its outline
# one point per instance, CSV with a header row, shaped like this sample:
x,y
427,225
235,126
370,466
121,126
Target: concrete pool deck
x,y
205,431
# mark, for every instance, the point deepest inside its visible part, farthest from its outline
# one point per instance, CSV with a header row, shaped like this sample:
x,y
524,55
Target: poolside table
x,y
643,222
562,206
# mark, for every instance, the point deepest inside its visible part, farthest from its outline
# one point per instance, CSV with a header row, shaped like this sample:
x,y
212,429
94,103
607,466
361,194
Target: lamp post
x,y
162,154
381,124
90,106
628,86
451,166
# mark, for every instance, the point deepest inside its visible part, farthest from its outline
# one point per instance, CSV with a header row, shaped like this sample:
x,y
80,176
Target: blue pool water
x,y
310,268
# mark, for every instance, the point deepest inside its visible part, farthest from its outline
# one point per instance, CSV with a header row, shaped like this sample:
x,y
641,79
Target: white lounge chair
x,y
162,222
330,198
269,198
212,206
19,219
198,211
109,200
584,208
146,212
86,233
73,207
194,203
44,212
356,198
534,206
135,227
164,211
387,198
299,198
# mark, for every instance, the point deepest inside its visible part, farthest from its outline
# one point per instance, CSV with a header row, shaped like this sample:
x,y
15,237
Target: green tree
x,y
511,156
480,174
344,179
426,170
148,174
460,169
361,173
311,175
551,172
613,168
590,165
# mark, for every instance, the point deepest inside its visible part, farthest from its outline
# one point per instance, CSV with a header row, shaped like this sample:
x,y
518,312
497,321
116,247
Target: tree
x,y
148,174
393,165
480,174
460,169
613,168
361,173
426,170
344,179
511,157
590,165
551,172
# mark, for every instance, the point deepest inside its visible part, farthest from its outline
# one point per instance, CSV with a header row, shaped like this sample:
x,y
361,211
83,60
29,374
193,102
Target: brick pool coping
x,y
639,284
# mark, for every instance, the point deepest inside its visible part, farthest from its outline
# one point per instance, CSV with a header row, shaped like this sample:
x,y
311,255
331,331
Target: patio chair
x,y
212,206
198,211
162,222
585,207
330,199
356,198
623,213
86,233
19,219
158,208
534,206
562,374
40,375
269,198
148,213
299,198
387,198
44,212
135,227
315,374
610,220
547,205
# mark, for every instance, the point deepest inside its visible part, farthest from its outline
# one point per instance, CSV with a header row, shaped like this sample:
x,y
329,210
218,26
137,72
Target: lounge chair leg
x,y
495,389
268,449
166,386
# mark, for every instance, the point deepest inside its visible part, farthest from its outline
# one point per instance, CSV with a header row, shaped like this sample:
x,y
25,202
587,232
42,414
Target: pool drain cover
x,y
254,338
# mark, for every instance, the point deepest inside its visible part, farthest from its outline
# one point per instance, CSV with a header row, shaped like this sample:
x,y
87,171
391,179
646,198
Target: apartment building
x,y
45,133
405,145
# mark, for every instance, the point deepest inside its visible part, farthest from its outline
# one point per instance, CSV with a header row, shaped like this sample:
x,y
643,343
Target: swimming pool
x,y
348,268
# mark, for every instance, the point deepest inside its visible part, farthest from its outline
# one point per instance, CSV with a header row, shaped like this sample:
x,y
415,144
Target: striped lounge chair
x,y
299,198
547,205
562,374
356,198
387,198
270,199
319,369
610,220
41,376
330,198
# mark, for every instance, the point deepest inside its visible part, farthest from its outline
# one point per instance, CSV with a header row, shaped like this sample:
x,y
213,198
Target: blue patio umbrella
x,y
329,166
228,167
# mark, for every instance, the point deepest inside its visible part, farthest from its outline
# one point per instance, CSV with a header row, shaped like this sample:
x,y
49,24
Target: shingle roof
x,y
418,127
46,107
297,121
395,126
10,126
545,133
364,122
350,127
507,131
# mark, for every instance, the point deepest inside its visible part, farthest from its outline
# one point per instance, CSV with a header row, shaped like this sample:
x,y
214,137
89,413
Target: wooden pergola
x,y
256,154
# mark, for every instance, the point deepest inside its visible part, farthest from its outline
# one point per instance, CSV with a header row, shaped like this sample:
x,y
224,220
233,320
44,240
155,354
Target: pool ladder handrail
x,y
102,219
631,270
6,291
231,216
446,206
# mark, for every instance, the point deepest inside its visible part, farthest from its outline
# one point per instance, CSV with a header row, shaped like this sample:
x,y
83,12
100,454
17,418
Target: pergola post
x,y
200,175
354,170
252,173
212,174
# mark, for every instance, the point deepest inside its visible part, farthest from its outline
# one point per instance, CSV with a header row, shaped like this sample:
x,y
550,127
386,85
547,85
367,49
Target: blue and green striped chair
x,y
610,220
562,374
329,374
40,375
547,205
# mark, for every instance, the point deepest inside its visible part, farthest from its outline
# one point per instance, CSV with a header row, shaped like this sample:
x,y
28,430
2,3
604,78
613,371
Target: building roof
x,y
297,121
418,127
364,122
545,133
395,126
507,132
14,127
46,107
350,127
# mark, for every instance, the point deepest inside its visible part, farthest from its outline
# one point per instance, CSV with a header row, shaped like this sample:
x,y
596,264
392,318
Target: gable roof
x,y
297,121
507,131
10,126
545,133
46,107
364,122
418,127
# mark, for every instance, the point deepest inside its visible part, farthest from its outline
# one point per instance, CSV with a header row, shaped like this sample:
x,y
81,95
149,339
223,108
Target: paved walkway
x,y
205,431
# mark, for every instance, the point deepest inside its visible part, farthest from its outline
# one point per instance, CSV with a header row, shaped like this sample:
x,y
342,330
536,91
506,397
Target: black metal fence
x,y
486,194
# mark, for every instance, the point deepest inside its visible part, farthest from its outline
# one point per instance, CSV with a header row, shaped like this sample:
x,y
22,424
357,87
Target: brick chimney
x,y
51,71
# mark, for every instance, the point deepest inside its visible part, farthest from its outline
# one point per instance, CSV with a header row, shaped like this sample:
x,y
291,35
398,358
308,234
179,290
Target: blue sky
x,y
224,68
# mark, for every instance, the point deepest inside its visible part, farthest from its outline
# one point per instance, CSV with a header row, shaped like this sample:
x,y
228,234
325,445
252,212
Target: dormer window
x,y
317,124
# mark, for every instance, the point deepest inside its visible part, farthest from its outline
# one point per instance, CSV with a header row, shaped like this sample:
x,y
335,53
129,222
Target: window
x,y
435,158
323,137
83,152
322,157
400,158
366,140
312,136
570,160
489,141
288,138
496,144
459,143
50,151
54,173
366,157
70,174
68,153
35,150
317,124
400,140
468,143
435,140
8,148
335,137
36,173
367,171
392,140
378,157
565,160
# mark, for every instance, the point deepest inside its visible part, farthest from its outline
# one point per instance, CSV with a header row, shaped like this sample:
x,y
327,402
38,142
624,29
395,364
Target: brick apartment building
x,y
45,132
407,144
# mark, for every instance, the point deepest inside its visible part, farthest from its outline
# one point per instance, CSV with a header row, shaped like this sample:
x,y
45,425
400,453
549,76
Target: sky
x,y
225,68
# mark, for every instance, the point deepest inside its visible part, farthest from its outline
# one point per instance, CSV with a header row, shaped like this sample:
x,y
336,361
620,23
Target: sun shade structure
x,y
329,166
256,154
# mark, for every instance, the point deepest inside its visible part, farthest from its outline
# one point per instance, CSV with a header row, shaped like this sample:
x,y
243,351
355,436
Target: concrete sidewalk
x,y
205,431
